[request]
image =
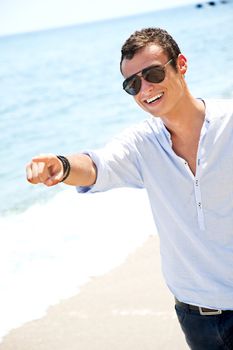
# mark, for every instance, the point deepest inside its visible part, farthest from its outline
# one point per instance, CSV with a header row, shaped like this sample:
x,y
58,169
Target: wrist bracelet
x,y
66,167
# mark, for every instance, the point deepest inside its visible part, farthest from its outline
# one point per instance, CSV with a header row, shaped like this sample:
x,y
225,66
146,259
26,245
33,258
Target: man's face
x,y
159,99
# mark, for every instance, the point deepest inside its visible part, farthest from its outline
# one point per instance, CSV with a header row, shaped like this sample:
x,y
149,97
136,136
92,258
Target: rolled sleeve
x,y
117,166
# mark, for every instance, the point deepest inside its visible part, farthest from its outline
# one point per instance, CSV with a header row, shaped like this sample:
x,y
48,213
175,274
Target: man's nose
x,y
146,86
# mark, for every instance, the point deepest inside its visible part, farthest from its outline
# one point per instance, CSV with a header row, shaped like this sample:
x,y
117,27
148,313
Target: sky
x,y
29,15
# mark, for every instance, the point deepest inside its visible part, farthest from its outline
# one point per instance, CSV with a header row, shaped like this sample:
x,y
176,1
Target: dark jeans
x,y
206,332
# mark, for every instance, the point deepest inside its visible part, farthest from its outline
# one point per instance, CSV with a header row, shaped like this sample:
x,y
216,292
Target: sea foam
x,y
50,250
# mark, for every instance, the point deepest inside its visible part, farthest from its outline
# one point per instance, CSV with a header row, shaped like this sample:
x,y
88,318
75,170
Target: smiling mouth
x,y
154,98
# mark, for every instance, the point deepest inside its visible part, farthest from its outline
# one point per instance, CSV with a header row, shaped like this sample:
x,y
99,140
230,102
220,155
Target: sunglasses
x,y
152,74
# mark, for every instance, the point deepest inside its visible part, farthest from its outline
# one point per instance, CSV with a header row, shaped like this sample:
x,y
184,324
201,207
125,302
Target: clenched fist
x,y
46,169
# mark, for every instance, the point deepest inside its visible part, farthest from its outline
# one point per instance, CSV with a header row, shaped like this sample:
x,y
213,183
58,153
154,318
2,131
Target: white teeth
x,y
152,99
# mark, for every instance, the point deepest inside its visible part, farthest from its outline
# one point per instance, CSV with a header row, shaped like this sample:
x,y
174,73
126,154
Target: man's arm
x,y
48,169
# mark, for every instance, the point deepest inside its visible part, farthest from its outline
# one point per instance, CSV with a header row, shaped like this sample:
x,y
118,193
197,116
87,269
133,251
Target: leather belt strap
x,y
202,310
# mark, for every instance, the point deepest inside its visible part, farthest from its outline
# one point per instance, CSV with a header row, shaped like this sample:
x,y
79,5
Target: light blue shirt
x,y
193,214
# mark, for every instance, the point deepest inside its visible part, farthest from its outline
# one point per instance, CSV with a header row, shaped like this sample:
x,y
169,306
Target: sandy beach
x,y
130,308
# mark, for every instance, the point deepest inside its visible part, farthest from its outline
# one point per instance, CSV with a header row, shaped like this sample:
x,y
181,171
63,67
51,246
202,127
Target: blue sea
x,y
61,92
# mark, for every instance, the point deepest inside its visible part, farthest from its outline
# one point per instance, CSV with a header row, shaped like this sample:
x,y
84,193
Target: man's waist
x,y
205,311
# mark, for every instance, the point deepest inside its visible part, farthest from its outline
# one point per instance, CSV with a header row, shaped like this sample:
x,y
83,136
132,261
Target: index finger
x,y
43,158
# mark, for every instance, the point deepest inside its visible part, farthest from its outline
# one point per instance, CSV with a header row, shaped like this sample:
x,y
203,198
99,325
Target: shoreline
x,y
128,308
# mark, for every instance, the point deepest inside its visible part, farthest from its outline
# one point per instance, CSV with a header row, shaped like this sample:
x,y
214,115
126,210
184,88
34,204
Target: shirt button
x,y
196,182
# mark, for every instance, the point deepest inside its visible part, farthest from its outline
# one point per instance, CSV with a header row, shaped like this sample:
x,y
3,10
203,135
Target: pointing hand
x,y
46,169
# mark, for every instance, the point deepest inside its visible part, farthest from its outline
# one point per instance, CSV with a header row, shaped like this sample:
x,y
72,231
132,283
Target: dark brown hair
x,y
140,39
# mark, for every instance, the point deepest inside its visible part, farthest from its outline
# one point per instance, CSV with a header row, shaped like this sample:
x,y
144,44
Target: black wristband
x,y
66,167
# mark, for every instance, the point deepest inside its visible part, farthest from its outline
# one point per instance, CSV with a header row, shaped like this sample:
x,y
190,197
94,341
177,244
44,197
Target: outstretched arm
x,y
49,170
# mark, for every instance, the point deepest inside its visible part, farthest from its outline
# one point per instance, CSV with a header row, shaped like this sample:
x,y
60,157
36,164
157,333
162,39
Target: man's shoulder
x,y
218,103
140,132
145,127
219,108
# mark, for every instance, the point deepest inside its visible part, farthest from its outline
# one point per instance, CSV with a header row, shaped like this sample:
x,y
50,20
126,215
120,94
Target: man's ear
x,y
182,64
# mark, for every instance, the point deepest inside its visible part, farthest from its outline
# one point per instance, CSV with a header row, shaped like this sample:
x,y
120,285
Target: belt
x,y
202,310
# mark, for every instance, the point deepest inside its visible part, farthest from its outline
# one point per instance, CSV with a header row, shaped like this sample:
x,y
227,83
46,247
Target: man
x,y
183,157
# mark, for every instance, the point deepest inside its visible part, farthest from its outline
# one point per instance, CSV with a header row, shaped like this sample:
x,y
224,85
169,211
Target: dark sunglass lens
x,y
132,85
154,74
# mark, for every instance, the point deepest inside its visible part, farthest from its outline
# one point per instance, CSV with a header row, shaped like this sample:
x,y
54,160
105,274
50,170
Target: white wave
x,y
49,251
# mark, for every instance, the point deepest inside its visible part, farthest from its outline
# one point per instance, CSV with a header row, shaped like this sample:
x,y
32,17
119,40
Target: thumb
x,y
53,180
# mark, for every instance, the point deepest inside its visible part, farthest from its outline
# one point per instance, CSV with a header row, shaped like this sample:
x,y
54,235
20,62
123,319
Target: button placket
x,y
200,213
197,187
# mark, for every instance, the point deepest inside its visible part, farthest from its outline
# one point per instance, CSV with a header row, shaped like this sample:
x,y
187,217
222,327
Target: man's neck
x,y
186,119
185,129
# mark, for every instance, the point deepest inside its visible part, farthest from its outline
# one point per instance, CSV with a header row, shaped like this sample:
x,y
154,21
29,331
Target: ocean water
x,y
61,92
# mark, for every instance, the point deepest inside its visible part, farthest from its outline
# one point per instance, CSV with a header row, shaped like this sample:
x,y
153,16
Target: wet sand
x,y
130,308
